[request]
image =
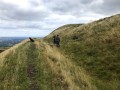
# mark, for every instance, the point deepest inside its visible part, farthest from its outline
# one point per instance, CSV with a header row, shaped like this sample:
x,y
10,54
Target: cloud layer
x,y
40,17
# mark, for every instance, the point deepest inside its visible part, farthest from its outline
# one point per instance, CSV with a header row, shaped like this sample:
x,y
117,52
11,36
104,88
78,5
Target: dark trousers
x,y
58,44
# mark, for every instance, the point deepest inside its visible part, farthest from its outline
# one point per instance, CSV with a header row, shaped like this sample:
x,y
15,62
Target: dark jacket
x,y
57,39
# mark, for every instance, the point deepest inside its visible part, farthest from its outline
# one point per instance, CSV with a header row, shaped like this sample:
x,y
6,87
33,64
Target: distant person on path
x,y
57,41
31,39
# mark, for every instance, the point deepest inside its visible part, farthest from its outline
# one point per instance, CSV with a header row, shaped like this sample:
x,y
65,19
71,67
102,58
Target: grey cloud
x,y
21,25
106,7
80,7
63,6
110,7
34,3
86,1
13,12
54,13
76,7
34,25
27,15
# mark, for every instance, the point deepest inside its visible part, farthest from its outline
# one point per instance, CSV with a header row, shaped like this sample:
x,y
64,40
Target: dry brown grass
x,y
96,49
6,52
12,66
88,29
74,76
66,73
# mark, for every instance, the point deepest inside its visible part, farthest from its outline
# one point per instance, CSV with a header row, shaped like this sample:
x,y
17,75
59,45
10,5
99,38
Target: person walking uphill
x,y
57,40
54,37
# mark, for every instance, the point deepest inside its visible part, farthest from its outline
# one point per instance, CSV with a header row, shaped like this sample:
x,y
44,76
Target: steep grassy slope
x,y
96,48
38,66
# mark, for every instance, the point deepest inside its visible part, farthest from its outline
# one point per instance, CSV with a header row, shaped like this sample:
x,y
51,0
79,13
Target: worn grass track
x,y
31,69
38,66
66,73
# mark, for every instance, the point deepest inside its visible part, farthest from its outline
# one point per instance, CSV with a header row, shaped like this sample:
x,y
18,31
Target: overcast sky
x,y
40,17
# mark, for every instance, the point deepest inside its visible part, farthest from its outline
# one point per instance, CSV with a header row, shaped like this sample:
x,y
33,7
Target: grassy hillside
x,y
88,59
38,66
95,47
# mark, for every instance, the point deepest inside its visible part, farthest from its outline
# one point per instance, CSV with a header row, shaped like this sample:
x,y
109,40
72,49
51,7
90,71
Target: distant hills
x,y
7,42
10,41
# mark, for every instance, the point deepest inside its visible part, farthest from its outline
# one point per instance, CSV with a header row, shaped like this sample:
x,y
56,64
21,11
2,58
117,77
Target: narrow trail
x,y
31,70
40,66
70,76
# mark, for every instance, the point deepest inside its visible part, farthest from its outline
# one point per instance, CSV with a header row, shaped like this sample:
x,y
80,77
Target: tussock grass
x,y
12,49
52,70
13,74
96,49
74,76
88,59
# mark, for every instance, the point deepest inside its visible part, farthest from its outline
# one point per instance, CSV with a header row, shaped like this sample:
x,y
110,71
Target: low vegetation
x,y
38,66
95,47
88,59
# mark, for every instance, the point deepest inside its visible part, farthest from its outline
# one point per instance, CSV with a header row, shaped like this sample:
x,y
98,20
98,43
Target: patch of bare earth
x,y
31,70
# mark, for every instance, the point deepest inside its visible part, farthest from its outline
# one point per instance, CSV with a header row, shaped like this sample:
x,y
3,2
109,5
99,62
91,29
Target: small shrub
x,y
75,37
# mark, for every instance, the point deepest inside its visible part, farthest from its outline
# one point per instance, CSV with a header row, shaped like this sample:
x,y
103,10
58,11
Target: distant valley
x,y
7,42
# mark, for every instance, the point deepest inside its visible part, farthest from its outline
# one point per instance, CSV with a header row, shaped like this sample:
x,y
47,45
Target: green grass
x,y
14,73
96,49
92,47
